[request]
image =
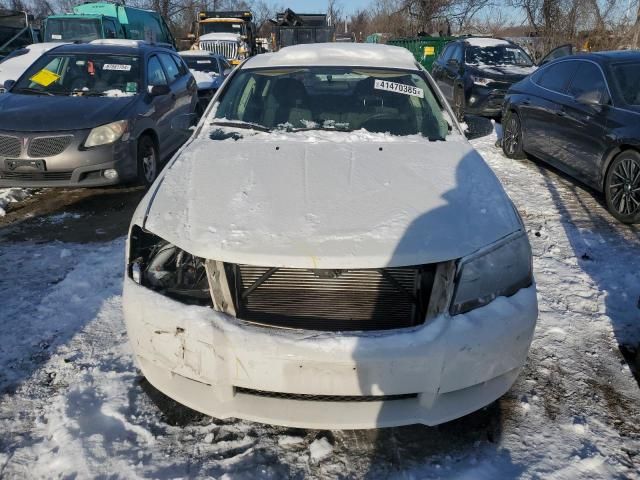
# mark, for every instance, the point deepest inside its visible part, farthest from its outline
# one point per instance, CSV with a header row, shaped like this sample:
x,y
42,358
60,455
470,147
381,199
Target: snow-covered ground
x,y
73,404
10,195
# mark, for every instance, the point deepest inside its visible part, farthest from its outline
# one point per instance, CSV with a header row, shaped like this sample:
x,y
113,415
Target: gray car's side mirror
x,y
159,90
8,84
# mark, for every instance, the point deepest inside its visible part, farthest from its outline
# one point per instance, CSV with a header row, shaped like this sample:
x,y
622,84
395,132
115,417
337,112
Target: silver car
x,y
94,114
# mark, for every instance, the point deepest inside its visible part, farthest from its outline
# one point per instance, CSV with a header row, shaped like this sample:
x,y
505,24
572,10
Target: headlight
x,y
481,80
498,270
158,265
106,134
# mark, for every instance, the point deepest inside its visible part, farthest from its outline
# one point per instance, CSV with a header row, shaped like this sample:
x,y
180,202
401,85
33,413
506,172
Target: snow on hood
x,y
310,203
204,79
233,37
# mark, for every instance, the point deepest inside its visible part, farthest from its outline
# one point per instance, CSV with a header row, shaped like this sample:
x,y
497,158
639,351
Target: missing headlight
x,y
163,267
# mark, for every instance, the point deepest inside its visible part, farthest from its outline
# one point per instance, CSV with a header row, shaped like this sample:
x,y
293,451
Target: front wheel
x,y
622,187
147,161
512,137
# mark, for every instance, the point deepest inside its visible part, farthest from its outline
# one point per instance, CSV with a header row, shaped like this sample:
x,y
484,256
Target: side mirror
x,y
8,84
159,90
592,98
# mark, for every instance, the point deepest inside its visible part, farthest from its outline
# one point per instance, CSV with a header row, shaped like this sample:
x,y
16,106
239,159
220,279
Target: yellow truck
x,y
232,34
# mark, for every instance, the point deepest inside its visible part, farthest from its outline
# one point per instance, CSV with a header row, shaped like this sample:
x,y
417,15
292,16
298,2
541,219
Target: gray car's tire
x,y
512,136
622,187
148,161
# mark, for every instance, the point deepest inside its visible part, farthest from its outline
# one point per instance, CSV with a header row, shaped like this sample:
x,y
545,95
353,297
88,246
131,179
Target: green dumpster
x,y
424,49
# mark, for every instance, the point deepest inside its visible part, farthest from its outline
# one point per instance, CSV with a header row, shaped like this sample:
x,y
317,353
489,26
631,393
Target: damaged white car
x,y
328,251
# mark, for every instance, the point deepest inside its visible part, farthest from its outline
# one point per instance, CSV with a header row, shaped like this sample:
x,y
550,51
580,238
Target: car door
x,y
162,106
540,109
438,71
584,133
180,94
451,71
558,52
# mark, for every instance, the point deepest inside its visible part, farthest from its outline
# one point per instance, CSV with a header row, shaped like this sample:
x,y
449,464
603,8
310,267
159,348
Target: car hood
x,y
304,204
40,113
508,73
229,37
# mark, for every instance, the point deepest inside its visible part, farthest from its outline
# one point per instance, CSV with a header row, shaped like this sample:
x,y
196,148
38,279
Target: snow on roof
x,y
336,54
486,41
120,42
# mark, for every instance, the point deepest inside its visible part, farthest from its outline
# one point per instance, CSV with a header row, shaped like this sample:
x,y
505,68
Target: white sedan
x,y
328,251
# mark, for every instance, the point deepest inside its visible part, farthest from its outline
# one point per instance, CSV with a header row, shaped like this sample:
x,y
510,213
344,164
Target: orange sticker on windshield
x,y
44,78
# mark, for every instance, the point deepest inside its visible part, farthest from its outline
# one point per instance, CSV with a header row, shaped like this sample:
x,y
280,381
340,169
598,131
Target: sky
x,y
320,6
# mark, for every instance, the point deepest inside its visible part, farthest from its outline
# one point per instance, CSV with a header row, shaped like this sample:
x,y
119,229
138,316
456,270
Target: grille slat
x,y
10,146
49,146
36,176
332,300
325,398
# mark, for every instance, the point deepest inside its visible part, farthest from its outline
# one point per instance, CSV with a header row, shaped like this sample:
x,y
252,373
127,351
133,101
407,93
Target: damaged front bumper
x,y
444,369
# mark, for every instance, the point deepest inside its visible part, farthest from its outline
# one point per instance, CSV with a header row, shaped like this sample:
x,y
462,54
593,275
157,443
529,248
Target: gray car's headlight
x,y
105,134
498,270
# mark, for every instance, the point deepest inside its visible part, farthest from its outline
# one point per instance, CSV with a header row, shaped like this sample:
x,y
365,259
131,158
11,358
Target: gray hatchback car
x,y
94,114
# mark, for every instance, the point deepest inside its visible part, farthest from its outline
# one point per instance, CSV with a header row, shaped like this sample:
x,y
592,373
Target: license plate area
x,y
25,165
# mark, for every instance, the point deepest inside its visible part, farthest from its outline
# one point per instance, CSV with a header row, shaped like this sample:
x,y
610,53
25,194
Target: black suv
x,y
474,73
94,114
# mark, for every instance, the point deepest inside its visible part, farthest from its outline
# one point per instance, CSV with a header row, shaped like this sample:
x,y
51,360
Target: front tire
x,y
512,137
148,163
622,187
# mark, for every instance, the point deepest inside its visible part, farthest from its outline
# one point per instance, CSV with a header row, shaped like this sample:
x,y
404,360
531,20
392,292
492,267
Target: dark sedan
x,y
474,73
94,114
581,114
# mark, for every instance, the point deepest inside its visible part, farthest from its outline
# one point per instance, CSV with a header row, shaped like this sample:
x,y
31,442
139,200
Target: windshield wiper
x,y
326,129
33,90
241,124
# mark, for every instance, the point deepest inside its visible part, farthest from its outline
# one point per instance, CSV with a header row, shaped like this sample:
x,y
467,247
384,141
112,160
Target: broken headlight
x,y
163,267
498,270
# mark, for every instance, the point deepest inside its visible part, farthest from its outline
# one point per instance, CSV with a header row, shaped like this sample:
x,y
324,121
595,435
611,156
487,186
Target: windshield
x,y
334,98
221,27
72,29
202,64
81,74
627,78
498,55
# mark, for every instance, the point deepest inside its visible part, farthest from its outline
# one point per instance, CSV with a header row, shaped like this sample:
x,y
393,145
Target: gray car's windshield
x,y
72,29
81,74
334,98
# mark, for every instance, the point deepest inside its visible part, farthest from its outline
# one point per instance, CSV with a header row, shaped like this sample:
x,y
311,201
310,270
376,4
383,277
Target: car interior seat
x,y
290,106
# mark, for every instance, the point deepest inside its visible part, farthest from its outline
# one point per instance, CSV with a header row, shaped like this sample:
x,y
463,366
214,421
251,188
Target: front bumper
x,y
484,100
74,166
217,365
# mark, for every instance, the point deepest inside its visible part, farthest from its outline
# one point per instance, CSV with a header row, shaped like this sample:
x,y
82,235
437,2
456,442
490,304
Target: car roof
x,y
336,55
110,48
485,41
617,55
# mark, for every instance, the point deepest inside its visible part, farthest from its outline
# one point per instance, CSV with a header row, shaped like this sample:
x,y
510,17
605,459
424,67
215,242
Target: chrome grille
x,y
9,146
49,146
325,398
226,48
332,300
